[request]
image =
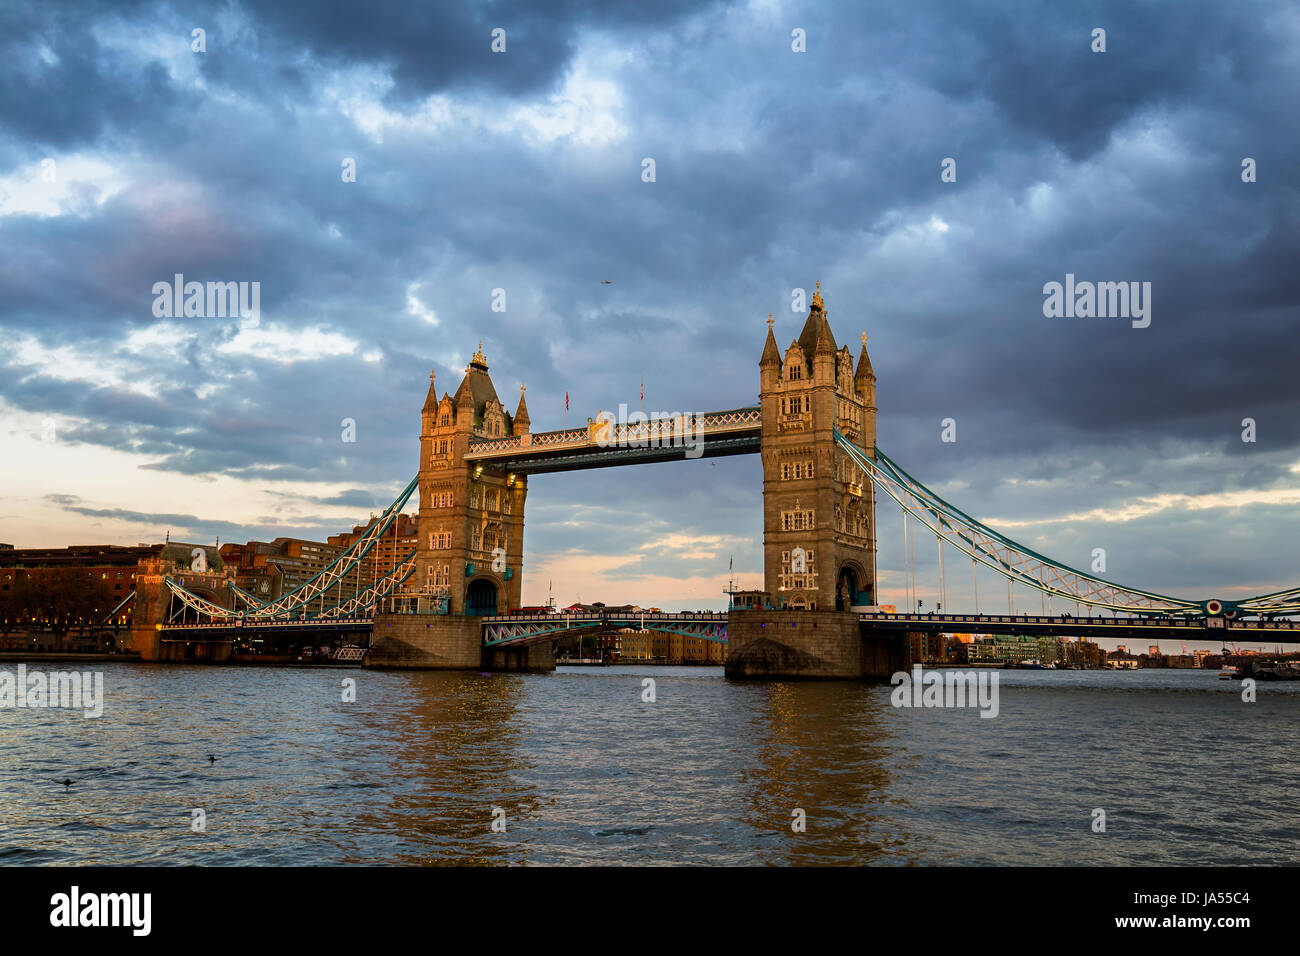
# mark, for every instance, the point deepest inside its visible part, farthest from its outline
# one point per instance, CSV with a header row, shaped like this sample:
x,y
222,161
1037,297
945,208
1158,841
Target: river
x,y
578,768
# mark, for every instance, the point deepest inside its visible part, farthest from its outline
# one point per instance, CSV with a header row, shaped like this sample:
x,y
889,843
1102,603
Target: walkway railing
x,y
602,433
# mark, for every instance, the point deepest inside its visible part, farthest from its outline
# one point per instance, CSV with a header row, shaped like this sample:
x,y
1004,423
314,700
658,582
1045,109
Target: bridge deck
x,y
1060,625
520,630
605,443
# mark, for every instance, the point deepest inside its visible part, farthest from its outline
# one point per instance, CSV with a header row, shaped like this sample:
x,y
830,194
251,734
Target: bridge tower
x,y
819,515
471,517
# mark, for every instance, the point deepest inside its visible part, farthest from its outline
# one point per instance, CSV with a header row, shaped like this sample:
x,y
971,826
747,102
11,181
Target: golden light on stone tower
x,y
471,516
818,507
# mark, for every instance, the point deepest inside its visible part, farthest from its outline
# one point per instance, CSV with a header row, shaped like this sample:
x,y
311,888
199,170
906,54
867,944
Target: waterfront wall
x,y
446,642
825,645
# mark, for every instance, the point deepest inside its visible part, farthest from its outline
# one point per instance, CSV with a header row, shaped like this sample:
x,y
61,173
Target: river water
x,y
585,771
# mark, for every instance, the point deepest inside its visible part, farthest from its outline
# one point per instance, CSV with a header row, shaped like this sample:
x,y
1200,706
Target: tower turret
x,y
521,419
770,362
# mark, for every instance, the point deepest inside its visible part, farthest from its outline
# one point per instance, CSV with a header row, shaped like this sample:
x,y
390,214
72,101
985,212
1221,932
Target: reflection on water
x,y
587,772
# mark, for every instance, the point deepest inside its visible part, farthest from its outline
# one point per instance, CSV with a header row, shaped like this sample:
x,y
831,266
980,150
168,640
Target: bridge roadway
x,y
1060,625
522,630
231,628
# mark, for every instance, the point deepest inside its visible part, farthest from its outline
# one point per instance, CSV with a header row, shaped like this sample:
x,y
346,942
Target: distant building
x,y
1081,653
647,646
110,568
1010,648
1121,659
113,564
395,544
927,648
268,570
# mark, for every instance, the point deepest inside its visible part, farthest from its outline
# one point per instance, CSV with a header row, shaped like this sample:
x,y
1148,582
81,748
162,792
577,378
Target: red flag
x,y
643,390
566,401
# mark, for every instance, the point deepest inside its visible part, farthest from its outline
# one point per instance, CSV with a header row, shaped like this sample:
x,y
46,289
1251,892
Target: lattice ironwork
x,y
298,601
519,630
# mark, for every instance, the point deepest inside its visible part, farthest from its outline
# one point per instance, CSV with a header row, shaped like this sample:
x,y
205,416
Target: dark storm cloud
x,y
60,87
431,47
774,170
64,85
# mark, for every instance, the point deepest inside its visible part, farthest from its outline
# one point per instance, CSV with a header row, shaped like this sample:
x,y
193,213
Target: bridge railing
x,y
1065,619
615,434
607,616
1137,620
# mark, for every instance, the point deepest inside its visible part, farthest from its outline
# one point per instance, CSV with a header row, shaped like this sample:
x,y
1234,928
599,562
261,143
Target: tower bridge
x,y
453,601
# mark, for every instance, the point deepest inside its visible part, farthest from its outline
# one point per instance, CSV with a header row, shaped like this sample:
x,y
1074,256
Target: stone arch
x,y
851,586
482,595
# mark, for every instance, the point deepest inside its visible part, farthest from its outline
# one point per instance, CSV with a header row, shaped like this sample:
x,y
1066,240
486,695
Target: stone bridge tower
x,y
471,518
819,515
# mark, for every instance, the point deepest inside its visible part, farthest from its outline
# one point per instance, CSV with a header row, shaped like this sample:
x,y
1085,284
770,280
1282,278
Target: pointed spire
x,y
521,413
825,342
865,371
478,360
770,354
431,400
816,335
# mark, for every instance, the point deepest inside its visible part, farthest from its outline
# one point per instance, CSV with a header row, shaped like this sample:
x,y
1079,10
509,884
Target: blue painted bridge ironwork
x,y
521,630
1153,627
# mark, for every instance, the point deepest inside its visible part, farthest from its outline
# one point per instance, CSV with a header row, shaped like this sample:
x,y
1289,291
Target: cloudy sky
x,y
127,157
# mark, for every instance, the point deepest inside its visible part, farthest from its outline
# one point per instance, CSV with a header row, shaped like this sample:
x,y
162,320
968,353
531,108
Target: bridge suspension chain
x,y
1010,559
299,600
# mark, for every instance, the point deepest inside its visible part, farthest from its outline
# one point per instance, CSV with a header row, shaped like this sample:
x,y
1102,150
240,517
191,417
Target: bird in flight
x,y
606,281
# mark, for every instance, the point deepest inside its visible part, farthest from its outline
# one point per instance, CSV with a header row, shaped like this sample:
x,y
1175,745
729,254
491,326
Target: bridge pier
x,y
446,642
149,611
534,659
809,645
